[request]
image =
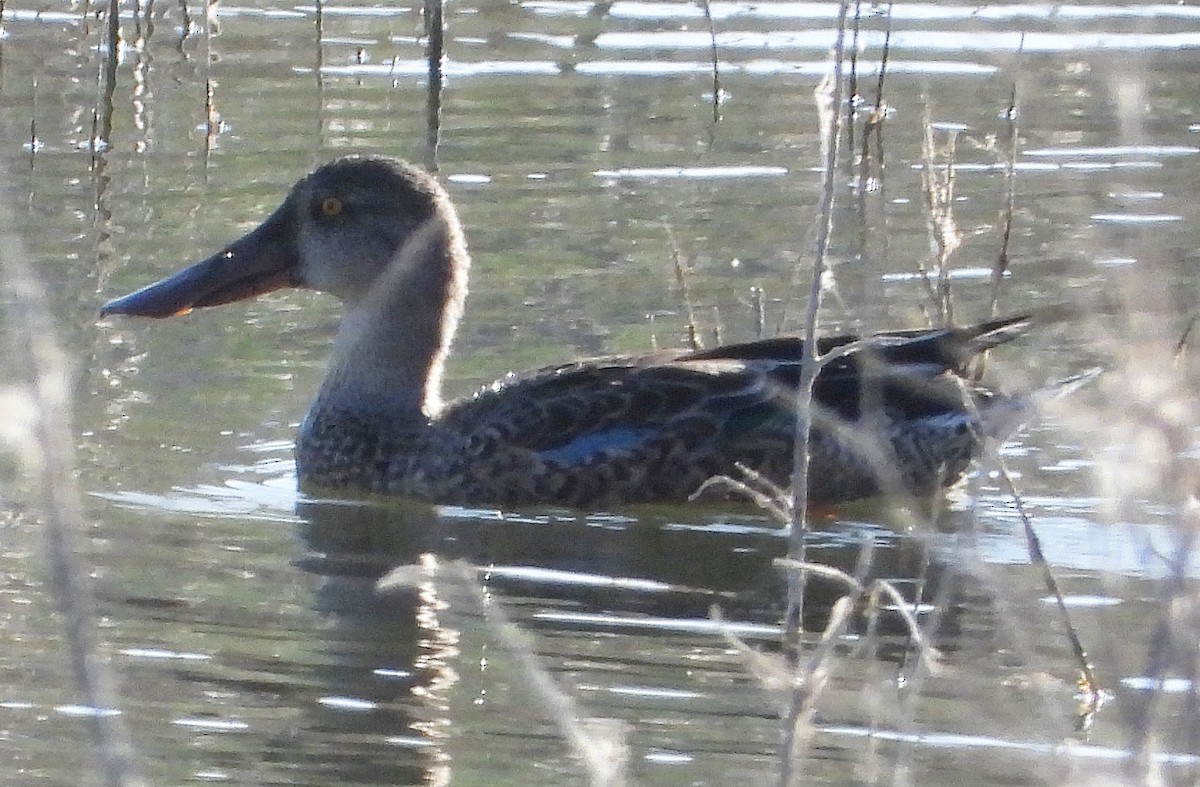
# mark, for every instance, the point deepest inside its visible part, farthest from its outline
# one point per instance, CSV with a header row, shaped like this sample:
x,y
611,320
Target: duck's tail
x,y
1003,415
984,336
975,339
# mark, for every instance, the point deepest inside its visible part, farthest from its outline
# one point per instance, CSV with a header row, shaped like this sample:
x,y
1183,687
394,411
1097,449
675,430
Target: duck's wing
x,y
571,412
739,394
609,431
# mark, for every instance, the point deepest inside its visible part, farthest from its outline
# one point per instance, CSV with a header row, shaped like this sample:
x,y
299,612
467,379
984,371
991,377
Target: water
x,y
579,142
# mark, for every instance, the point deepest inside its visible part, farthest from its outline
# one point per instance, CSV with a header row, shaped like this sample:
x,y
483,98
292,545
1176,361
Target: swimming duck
x,y
897,415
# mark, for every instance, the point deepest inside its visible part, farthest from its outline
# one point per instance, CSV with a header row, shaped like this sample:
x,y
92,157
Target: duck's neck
x,y
391,346
382,369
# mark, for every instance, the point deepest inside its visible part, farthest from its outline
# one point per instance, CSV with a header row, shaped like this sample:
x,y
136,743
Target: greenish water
x,y
578,140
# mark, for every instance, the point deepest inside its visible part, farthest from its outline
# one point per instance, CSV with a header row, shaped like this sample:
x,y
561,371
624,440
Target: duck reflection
x,y
591,586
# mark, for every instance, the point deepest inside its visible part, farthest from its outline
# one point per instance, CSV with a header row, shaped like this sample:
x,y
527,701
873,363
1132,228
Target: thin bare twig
x,y
806,692
1089,682
829,98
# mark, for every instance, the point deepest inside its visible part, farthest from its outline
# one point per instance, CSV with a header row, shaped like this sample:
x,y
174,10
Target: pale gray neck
x,y
392,343
383,369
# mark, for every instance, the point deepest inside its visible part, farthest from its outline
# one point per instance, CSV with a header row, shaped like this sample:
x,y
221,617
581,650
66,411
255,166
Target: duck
x,y
898,412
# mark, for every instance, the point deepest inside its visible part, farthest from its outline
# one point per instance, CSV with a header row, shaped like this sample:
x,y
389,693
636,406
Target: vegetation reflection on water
x,y
579,140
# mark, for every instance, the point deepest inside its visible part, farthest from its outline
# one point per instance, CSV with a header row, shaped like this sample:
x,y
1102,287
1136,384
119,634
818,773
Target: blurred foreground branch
x,y
40,431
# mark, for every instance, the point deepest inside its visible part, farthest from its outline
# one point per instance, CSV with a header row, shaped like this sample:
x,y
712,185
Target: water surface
x,y
580,143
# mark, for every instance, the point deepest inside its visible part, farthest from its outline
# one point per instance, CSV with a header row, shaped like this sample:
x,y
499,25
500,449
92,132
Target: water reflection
x,y
603,582
662,563
412,685
619,608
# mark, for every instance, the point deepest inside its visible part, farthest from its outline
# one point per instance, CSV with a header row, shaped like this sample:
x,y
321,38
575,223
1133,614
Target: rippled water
x,y
580,143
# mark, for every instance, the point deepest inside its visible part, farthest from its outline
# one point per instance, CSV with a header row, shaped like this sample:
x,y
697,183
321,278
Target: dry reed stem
x,y
1001,264
33,132
210,88
884,54
435,32
809,681
871,166
185,24
716,65
759,309
1088,682
852,77
756,488
319,81
937,183
1181,346
775,675
771,670
100,137
807,691
873,591
685,290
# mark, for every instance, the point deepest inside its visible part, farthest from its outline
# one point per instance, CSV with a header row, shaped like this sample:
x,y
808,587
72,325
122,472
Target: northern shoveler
x,y
897,415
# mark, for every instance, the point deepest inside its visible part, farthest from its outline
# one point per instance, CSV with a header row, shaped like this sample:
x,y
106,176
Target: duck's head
x,y
349,227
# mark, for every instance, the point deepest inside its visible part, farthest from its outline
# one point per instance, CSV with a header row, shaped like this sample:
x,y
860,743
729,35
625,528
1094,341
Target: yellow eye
x,y
331,206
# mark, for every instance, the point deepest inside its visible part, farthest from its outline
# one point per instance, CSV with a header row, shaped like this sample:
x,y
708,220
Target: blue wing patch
x,y
588,445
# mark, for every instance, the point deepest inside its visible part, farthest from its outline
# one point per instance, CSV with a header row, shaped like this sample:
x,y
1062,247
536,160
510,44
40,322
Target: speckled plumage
x,y
691,415
895,416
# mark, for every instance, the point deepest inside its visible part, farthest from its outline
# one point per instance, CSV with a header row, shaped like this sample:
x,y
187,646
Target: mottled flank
x,y
895,415
628,430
